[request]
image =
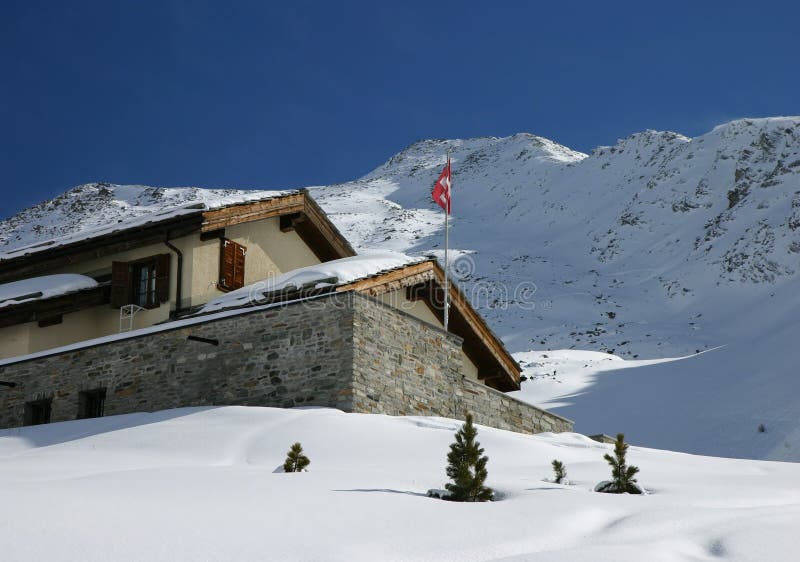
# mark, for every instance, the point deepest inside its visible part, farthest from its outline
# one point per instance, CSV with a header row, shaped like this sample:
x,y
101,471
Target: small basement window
x,y
91,403
38,411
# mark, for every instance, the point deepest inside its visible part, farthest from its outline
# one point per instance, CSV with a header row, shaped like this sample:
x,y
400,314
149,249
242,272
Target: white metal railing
x,y
127,312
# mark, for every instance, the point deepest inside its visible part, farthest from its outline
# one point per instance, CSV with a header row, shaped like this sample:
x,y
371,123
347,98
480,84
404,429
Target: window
x,y
231,265
38,412
142,282
91,403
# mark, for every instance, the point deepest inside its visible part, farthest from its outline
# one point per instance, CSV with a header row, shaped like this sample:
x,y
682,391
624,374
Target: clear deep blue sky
x,y
273,95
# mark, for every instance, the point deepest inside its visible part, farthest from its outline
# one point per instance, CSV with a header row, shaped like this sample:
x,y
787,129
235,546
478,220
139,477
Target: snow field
x,y
199,484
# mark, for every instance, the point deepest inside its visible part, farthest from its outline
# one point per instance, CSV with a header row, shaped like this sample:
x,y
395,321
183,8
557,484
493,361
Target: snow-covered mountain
x,y
659,246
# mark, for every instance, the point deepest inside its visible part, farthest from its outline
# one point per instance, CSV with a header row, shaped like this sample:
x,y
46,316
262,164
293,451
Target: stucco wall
x,y
269,252
345,350
15,340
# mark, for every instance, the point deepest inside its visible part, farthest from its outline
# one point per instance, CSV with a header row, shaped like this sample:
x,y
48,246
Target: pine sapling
x,y
560,472
467,467
622,475
295,461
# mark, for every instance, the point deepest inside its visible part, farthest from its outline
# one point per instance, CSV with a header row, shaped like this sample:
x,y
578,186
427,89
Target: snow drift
x,y
201,484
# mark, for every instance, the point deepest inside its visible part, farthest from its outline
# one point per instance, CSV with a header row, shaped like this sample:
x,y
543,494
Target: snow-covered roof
x,y
331,273
43,287
150,212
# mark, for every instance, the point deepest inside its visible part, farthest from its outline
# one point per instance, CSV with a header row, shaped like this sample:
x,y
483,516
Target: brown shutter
x,y
226,261
231,265
238,266
162,277
120,284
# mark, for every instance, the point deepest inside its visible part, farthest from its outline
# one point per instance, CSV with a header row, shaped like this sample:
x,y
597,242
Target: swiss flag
x,y
441,189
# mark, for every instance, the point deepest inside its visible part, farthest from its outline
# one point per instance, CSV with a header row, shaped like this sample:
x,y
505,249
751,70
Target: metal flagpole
x,y
446,244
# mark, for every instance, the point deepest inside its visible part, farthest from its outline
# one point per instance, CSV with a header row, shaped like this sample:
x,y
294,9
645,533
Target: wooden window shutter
x,y
120,284
162,277
231,265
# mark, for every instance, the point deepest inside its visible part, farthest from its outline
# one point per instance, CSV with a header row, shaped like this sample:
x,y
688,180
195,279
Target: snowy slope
x,y
640,231
657,247
660,246
201,484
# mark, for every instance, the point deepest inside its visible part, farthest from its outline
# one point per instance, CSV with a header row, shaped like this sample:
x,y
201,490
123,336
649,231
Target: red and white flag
x,y
441,189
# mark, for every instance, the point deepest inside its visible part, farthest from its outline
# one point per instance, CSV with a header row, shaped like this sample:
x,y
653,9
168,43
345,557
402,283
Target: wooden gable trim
x,y
42,309
392,280
319,228
299,212
254,211
460,301
465,321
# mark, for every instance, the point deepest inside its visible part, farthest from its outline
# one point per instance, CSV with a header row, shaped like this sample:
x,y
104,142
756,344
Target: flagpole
x,y
446,244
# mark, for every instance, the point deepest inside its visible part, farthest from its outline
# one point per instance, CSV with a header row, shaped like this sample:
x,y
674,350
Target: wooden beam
x,y
287,222
254,211
393,280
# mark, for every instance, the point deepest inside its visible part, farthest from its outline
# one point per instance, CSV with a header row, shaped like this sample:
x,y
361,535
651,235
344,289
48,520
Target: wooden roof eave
x,y
58,256
313,225
317,231
476,320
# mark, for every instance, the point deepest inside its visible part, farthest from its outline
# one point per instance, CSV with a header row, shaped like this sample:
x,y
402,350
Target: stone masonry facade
x,y
345,351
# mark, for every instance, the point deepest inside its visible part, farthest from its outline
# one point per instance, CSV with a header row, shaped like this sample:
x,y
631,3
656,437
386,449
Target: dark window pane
x,y
91,403
37,412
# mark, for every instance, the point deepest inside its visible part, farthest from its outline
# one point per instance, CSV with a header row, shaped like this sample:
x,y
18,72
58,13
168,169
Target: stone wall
x,y
345,351
418,370
292,355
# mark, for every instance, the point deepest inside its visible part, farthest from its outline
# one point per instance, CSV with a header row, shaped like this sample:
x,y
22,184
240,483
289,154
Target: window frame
x,y
126,282
150,297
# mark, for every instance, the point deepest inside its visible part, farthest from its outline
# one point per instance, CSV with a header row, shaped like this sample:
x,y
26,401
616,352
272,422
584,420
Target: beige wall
x,y
269,252
420,310
15,340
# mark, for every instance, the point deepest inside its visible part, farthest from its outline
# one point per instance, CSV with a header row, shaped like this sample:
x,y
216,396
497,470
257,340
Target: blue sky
x,y
290,94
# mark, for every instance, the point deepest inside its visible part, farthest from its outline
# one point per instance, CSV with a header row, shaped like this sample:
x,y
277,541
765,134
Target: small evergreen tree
x,y
622,475
560,471
466,467
295,461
